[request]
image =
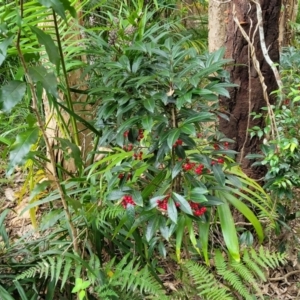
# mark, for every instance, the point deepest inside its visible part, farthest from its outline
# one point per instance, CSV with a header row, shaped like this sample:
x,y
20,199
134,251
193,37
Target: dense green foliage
x,y
157,184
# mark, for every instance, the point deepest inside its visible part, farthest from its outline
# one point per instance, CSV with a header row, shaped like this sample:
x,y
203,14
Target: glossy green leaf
x,y
172,210
188,129
51,48
177,169
11,94
248,214
173,136
228,229
179,236
151,229
21,148
184,205
48,80
219,174
204,237
149,104
137,198
190,227
150,188
200,117
147,123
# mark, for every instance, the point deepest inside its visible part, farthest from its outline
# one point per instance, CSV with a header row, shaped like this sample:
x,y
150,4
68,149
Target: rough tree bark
x,y
248,97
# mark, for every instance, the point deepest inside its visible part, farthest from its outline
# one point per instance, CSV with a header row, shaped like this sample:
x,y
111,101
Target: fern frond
x,y
56,267
231,277
207,285
246,275
251,264
130,277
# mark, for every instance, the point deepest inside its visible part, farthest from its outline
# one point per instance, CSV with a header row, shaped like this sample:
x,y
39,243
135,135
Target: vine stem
x,y
274,130
43,131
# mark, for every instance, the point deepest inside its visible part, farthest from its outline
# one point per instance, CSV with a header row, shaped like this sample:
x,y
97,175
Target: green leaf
x,y
177,168
11,94
200,117
228,229
179,236
173,136
151,229
184,205
248,214
4,294
172,210
137,198
51,48
48,80
115,195
57,6
198,195
149,104
150,188
203,237
21,148
147,123
3,48
188,129
219,174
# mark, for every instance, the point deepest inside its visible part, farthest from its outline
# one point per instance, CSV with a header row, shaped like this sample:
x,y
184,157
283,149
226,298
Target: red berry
x,y
220,160
216,146
126,133
121,175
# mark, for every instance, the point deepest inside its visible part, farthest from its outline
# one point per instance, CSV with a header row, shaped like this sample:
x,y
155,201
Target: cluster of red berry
x,y
125,134
128,148
178,143
127,200
187,166
218,161
163,204
138,155
217,147
198,210
140,135
122,175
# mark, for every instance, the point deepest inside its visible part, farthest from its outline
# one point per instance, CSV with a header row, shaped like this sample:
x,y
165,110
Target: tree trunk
x,y
217,19
248,97
288,14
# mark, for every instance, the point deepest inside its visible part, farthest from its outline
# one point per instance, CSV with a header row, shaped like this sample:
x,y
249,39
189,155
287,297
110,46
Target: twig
x,y
285,276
